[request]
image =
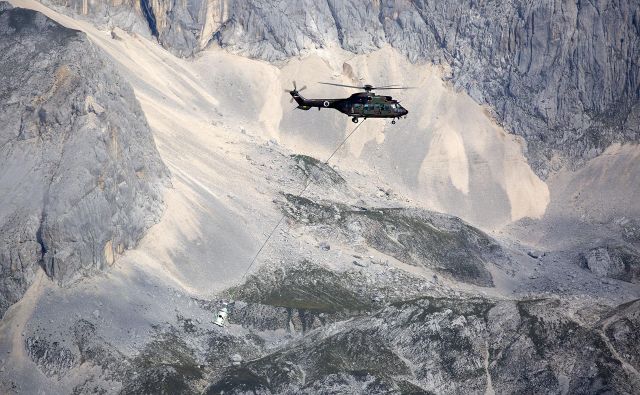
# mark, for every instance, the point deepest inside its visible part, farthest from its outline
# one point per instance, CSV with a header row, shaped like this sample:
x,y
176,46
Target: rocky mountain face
x,y
184,27
305,330
127,14
300,326
81,179
361,290
435,345
562,75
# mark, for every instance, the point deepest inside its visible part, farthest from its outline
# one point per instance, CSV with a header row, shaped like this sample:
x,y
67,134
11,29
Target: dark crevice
x,y
339,29
147,10
43,246
303,320
289,318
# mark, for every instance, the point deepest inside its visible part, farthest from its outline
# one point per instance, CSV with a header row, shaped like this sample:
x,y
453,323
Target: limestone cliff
x,y
81,179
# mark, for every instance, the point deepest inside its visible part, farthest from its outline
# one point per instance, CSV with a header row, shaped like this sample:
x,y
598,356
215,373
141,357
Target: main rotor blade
x,y
345,86
400,87
303,88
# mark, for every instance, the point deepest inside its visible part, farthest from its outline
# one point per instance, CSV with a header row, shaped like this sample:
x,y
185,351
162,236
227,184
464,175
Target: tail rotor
x,y
295,90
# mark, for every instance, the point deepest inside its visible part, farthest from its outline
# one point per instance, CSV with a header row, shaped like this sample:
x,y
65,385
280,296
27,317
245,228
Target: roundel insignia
x,y
326,103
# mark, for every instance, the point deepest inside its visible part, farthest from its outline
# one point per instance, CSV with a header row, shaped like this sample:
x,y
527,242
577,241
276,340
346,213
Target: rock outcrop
x,y
441,242
81,178
614,261
125,14
184,27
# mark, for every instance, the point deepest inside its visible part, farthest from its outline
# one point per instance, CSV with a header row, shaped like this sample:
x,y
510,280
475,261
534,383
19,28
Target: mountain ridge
x,y
555,73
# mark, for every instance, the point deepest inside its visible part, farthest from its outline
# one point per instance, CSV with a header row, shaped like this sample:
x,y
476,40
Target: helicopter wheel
x,y
393,122
354,119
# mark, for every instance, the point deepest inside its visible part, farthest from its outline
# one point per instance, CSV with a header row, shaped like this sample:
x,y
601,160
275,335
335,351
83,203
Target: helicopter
x,y
359,105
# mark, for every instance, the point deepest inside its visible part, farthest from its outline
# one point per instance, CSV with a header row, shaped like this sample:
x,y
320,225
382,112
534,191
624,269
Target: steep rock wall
x,y
81,179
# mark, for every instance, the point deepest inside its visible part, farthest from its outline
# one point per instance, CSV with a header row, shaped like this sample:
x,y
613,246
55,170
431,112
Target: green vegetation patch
x,y
428,305
306,286
166,366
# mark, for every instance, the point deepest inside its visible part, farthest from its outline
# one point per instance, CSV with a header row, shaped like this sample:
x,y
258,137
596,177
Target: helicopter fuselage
x,y
359,105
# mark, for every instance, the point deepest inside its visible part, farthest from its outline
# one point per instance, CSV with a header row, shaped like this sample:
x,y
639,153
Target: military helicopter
x,y
359,105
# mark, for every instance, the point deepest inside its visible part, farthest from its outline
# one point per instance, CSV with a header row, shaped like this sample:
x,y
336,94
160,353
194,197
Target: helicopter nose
x,y
404,111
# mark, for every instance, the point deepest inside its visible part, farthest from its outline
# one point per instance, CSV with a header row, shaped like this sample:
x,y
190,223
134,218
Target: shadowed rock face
x,y
564,76
622,329
426,344
442,345
81,178
614,261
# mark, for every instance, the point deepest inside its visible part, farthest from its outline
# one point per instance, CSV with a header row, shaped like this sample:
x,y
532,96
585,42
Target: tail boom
x,y
305,104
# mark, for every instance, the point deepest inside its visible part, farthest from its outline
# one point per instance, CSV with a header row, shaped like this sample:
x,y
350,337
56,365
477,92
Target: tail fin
x,y
302,102
298,98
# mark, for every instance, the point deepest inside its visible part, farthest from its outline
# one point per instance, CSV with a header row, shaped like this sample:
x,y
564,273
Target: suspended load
x,y
222,316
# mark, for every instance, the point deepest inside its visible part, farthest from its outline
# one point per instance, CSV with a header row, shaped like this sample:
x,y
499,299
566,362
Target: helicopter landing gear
x,y
393,122
354,119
